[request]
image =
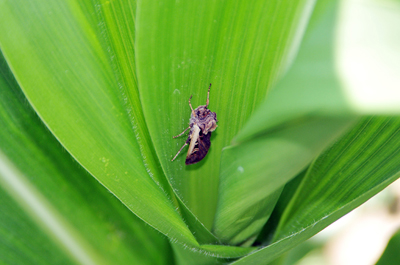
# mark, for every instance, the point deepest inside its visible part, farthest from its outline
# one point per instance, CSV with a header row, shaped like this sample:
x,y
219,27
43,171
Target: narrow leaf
x,y
356,168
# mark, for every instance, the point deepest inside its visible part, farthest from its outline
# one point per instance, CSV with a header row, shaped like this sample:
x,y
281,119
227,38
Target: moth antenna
x,y
194,114
179,152
208,96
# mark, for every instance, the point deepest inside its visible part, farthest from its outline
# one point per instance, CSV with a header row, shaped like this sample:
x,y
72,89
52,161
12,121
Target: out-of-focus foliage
x,y
391,254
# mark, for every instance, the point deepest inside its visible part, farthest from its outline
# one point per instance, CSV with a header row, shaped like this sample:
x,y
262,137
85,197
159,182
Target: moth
x,y
202,122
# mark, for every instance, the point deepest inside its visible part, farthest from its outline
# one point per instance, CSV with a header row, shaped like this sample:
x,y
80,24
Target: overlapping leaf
x,y
303,114
67,76
111,81
241,47
52,211
85,96
357,167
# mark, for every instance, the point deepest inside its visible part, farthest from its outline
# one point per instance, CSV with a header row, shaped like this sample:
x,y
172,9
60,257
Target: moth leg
x,y
194,114
182,132
179,151
208,96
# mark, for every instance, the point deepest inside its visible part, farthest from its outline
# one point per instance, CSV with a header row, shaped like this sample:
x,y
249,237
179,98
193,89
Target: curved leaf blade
x,y
391,254
364,161
15,229
118,24
357,167
250,188
301,117
61,65
313,91
57,213
182,47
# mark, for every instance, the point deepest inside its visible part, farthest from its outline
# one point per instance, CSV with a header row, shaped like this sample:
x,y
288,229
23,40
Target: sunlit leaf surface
x,y
52,211
111,81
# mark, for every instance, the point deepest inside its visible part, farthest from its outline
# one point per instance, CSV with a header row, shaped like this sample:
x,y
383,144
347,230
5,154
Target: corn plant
x,y
92,92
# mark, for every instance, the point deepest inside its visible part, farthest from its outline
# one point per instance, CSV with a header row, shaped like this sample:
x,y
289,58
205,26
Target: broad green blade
x,y
80,97
364,161
295,256
358,166
241,47
267,232
22,241
249,194
63,63
310,107
302,115
391,254
118,24
52,211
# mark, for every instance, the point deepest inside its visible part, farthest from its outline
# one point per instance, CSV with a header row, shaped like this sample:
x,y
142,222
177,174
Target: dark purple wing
x,y
203,144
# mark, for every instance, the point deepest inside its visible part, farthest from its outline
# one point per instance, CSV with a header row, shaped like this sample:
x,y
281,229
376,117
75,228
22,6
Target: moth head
x,y
202,112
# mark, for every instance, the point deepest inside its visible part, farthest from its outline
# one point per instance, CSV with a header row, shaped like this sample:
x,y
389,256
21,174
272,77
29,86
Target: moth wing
x,y
203,144
194,136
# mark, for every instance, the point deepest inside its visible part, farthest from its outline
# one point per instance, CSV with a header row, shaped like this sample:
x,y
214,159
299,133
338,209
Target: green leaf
x,y
111,80
357,167
301,116
243,213
61,63
361,164
184,256
118,23
51,210
21,241
183,46
391,254
267,232
87,108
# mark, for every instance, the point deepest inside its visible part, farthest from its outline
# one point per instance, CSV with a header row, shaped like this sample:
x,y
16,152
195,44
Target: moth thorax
x,y
202,112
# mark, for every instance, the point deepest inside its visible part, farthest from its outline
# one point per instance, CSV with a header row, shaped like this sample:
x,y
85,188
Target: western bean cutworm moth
x,y
202,122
